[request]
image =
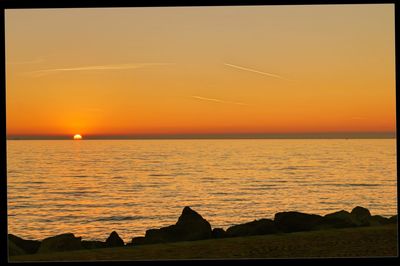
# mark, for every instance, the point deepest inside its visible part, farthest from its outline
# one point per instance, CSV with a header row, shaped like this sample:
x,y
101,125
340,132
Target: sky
x,y
200,70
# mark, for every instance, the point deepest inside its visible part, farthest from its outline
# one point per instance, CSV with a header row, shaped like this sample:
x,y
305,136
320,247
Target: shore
x,y
373,241
289,234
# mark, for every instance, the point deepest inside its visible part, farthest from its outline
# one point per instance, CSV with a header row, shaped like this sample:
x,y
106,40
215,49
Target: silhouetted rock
x,y
14,250
362,215
378,220
393,219
257,227
359,216
190,226
28,246
63,242
340,219
161,235
139,240
218,233
114,240
296,221
193,225
93,244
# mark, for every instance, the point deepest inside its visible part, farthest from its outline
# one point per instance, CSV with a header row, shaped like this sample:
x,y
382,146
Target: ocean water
x,y
93,187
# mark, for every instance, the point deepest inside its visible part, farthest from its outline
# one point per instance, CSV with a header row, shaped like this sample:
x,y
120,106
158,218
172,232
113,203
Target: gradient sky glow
x,y
200,70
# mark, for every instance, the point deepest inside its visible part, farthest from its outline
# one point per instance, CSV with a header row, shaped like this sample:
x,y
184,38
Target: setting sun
x,y
77,137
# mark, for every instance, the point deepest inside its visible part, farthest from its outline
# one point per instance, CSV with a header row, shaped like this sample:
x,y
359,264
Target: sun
x,y
77,137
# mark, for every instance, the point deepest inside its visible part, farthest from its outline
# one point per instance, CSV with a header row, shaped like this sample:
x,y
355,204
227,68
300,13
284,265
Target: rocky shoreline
x,y
192,226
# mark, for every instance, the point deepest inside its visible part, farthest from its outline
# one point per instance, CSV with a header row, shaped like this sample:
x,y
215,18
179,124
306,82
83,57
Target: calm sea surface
x,y
93,187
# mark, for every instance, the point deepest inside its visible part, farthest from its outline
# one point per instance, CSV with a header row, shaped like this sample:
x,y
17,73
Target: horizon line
x,y
306,135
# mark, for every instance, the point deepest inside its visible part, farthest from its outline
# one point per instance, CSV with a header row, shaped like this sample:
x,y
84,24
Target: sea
x,y
93,187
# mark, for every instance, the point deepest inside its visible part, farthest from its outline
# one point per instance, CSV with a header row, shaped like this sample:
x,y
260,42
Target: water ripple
x,y
94,187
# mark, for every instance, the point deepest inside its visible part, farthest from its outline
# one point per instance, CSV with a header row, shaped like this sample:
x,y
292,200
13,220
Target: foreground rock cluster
x,y
63,242
192,226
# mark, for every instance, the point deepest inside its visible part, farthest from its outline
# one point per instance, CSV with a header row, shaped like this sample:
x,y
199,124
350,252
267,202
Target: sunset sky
x,y
200,70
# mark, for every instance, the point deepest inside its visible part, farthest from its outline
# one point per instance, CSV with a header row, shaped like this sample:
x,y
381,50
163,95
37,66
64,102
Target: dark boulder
x,y
362,215
393,219
28,246
296,221
190,226
378,220
14,250
139,240
63,242
114,240
162,235
257,227
340,219
218,233
359,216
93,244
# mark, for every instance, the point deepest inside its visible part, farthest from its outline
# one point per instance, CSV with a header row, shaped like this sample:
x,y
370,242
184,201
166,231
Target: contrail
x,y
216,100
100,67
255,71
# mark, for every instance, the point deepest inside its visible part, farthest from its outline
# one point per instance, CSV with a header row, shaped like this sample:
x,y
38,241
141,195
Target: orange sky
x,y
272,69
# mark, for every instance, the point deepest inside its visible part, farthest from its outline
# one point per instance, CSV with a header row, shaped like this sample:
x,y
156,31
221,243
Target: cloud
x,y
254,71
95,68
216,100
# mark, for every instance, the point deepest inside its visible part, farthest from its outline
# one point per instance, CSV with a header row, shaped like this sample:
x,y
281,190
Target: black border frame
x,y
44,4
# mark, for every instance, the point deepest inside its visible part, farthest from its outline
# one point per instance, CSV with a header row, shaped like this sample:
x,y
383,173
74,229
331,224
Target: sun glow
x,y
197,86
77,137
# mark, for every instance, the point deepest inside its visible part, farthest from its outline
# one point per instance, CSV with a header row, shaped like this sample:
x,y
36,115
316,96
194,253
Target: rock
x,y
14,250
218,233
114,240
340,219
28,246
63,242
93,244
296,221
190,226
161,235
362,215
139,240
257,227
378,220
393,219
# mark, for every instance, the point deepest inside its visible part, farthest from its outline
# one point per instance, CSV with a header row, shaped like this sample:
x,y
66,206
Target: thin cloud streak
x,y
217,100
254,71
100,67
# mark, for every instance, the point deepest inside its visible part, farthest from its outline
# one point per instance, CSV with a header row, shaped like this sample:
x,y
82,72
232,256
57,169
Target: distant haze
x,y
201,72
